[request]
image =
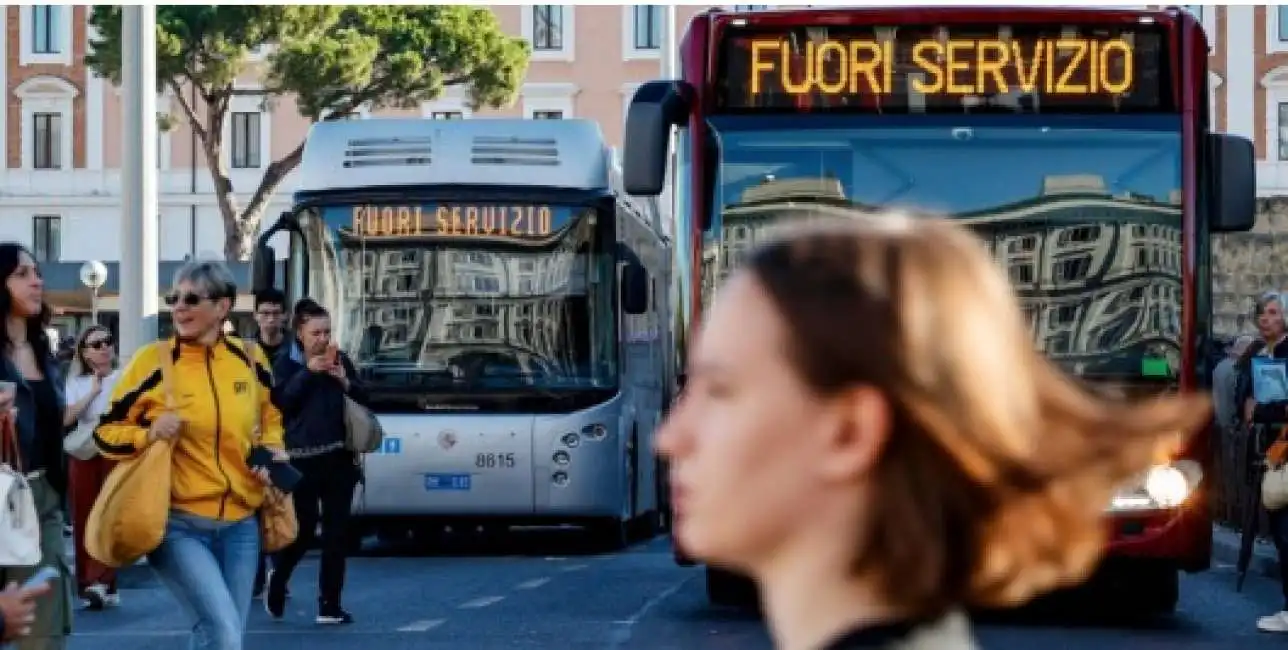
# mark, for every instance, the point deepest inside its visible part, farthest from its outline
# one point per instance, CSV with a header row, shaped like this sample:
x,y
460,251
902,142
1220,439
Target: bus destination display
x,y
451,220
909,69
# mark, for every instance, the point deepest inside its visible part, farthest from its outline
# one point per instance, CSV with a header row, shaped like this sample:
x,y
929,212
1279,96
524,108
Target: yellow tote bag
x,y
129,516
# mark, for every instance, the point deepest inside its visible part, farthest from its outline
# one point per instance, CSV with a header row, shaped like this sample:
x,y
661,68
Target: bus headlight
x,y
1162,487
561,458
571,440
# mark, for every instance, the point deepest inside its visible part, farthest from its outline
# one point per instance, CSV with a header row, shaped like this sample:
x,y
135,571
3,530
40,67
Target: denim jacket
x,y
41,450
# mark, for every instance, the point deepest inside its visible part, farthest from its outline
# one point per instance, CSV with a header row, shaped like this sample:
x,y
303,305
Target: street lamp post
x,y
93,274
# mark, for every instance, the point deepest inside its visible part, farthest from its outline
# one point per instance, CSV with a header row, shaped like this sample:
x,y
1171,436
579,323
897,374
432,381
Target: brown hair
x,y
993,483
79,367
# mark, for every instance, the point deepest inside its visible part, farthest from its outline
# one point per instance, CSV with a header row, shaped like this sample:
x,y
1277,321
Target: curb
x,y
1225,550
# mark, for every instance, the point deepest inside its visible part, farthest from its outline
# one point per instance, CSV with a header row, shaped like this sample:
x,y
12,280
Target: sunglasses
x,y
99,344
189,299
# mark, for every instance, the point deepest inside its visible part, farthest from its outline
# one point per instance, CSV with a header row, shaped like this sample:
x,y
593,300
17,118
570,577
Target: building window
x,y
1195,10
47,140
447,115
648,27
46,238
45,29
749,7
547,115
547,27
246,140
1283,23
1283,130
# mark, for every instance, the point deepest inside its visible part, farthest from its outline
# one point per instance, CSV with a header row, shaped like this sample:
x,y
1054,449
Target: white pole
x,y
138,282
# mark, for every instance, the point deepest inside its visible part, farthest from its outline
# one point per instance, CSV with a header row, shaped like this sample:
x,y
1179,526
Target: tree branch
x,y
189,111
273,177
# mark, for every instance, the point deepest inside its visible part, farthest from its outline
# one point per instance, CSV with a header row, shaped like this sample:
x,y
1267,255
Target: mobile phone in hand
x,y
332,354
45,574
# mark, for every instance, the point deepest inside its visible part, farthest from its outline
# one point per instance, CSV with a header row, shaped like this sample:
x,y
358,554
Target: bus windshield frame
x,y
425,362
1085,212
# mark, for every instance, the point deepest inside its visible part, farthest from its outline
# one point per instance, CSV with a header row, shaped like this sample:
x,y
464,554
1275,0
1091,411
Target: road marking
x,y
293,631
625,627
532,584
573,567
482,602
422,626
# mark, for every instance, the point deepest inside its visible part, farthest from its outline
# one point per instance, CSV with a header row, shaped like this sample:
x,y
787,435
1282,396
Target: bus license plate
x,y
458,482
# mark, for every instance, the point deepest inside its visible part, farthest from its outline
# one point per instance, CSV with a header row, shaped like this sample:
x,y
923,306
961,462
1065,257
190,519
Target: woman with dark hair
x,y
310,382
32,387
869,432
90,379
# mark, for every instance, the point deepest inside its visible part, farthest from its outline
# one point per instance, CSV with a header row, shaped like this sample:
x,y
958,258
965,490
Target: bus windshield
x,y
1084,213
459,313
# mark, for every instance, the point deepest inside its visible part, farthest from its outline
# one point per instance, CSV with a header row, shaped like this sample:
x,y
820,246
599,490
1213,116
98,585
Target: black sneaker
x,y
274,597
333,615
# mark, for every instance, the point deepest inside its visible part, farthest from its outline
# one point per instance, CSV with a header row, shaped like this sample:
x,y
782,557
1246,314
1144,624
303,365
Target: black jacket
x,y
312,404
41,450
1273,412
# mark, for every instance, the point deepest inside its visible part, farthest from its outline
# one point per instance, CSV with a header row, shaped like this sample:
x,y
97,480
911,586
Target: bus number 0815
x,y
493,461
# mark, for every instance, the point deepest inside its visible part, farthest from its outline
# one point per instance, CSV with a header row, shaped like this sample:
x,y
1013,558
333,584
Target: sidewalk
x,y
1225,550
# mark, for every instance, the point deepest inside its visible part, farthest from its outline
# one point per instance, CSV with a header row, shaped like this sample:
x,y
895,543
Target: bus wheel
x,y
1160,590
730,589
610,534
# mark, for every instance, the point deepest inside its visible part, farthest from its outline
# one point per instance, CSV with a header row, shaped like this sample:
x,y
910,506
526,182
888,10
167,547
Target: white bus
x,y
505,304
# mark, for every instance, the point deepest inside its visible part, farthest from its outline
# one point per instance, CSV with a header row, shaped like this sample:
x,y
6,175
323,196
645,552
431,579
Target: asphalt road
x,y
547,590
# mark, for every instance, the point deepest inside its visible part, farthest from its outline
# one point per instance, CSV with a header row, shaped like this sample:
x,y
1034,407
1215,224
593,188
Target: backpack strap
x,y
251,348
166,360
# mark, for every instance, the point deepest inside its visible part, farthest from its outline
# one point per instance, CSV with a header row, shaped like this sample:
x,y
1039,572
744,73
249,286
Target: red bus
x,y
1075,141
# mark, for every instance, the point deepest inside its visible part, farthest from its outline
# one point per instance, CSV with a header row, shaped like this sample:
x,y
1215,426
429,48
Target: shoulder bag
x,y
19,521
79,444
129,516
363,433
278,525
1274,483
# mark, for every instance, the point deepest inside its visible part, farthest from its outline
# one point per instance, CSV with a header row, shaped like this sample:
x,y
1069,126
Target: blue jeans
x,y
209,566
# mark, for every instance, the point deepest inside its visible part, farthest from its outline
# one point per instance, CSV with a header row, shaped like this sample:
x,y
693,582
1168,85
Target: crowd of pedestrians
x,y
871,510
246,405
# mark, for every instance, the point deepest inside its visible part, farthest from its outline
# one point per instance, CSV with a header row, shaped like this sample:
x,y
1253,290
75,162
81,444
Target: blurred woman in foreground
x,y
869,433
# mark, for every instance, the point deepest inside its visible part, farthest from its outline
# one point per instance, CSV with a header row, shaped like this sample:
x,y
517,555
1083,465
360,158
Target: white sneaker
x,y
1277,622
96,596
112,600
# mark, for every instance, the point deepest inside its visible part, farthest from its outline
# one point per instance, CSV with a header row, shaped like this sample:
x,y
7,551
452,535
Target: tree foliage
x,y
334,61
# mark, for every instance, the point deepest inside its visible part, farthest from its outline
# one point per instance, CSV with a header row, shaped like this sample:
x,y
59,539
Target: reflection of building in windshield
x,y
427,306
1096,274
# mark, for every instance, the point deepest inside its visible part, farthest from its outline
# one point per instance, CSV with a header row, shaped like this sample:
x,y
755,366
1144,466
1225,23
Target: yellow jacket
x,y
212,393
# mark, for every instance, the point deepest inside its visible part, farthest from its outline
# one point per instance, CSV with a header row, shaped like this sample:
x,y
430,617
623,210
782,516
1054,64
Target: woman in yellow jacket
x,y
211,546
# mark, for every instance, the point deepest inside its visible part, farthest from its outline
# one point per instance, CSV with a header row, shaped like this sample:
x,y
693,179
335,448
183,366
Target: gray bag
x,y
363,433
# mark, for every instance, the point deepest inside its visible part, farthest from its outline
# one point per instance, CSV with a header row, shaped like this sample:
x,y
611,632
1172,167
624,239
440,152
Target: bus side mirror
x,y
1234,184
656,107
262,264
634,289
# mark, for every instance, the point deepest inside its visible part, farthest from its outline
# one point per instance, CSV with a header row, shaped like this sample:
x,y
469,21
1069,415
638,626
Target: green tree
x,y
333,60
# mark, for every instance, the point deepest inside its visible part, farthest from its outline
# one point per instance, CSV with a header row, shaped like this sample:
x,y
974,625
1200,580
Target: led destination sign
x,y
451,220
927,69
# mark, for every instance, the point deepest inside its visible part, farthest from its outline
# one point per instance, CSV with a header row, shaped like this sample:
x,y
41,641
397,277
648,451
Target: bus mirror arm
x,y
656,107
1233,176
264,260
